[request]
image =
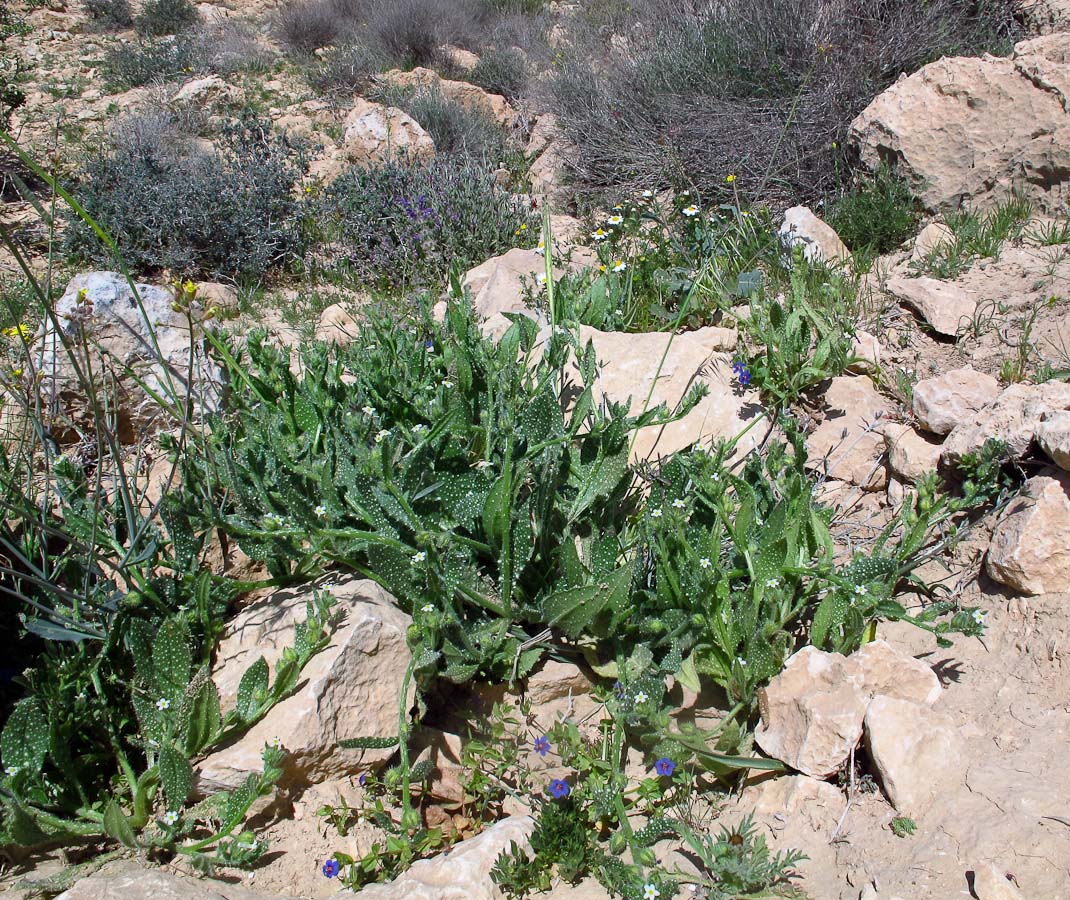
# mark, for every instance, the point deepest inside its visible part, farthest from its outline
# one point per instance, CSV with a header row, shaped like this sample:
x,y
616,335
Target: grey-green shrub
x,y
160,17
109,14
170,204
500,71
876,213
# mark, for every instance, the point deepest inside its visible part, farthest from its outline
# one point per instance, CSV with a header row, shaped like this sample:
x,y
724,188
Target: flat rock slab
x,y
129,881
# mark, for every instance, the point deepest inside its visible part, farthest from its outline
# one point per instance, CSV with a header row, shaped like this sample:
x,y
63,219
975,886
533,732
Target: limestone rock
x,y
932,236
867,352
910,454
543,134
375,133
846,445
947,307
628,364
973,130
989,883
1053,435
1015,418
547,175
200,91
1030,551
889,672
128,879
798,800
461,874
818,240
462,92
942,403
121,335
337,325
914,750
812,712
348,690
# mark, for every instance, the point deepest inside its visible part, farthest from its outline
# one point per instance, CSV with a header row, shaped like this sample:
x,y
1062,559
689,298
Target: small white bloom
x,y
678,503
979,616
860,590
641,697
368,410
418,557
724,616
646,195
170,817
382,436
163,704
619,312
773,583
690,211
615,220
741,661
541,249
483,464
655,513
427,608
705,562
650,892
541,278
620,265
447,385
419,428
11,771
276,743
599,234
320,510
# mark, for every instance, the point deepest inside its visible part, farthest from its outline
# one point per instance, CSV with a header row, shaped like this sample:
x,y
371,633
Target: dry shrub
x,y
689,91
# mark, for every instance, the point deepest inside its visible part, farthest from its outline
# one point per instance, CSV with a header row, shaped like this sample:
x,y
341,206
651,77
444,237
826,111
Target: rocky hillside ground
x,y
508,449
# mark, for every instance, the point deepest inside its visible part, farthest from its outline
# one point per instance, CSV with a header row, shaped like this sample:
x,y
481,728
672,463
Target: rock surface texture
x,y
847,445
1030,549
348,690
817,239
129,880
969,130
376,133
946,307
954,397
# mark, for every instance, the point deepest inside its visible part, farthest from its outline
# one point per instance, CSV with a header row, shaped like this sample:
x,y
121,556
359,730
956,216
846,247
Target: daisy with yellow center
x,y
615,220
620,265
690,211
599,234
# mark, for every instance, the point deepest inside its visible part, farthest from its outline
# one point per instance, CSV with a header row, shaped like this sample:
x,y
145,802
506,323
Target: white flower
x,y
741,661
163,703
170,817
724,616
860,590
615,220
418,557
276,742
484,464
382,436
620,265
646,195
690,211
447,384
11,771
427,608
368,410
619,312
655,513
419,428
599,234
641,697
272,519
320,510
650,892
678,503
979,616
773,583
541,278
705,562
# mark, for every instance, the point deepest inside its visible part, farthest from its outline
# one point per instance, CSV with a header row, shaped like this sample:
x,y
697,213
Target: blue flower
x,y
362,780
330,868
742,372
542,745
559,788
665,766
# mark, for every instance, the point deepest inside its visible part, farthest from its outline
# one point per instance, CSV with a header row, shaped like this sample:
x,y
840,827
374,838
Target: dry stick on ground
x,y
850,797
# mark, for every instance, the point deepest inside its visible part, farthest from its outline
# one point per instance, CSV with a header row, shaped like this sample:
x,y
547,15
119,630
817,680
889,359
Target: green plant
x,y
230,210
500,71
1017,368
399,226
1050,233
902,826
137,64
347,68
163,17
976,236
109,14
12,65
876,213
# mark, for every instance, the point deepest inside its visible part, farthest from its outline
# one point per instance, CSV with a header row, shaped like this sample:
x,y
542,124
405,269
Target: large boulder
x,y
351,689
1030,549
1015,418
974,130
375,133
135,345
461,873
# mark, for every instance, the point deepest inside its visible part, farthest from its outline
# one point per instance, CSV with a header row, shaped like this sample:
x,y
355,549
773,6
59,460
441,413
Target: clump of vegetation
x,y
348,68
137,64
162,17
454,127
11,64
110,15
976,236
876,213
402,226
500,71
689,92
169,204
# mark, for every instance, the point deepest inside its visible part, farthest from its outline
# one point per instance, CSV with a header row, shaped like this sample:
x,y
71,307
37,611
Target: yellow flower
x,y
602,267
16,373
524,226
730,178
17,331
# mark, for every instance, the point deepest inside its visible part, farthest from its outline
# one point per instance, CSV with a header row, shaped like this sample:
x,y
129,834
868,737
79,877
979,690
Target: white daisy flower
x,y
382,436
690,211
599,234
655,513
368,410
620,265
678,503
427,608
615,220
418,557
320,510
